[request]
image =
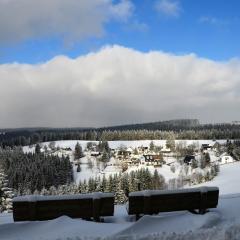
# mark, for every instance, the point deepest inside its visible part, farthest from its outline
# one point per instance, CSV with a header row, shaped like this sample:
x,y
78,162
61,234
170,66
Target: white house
x,y
225,158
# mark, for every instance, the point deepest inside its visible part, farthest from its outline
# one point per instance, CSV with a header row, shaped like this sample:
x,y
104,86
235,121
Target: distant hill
x,y
162,125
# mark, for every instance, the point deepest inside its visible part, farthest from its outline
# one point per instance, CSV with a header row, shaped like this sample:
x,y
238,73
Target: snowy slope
x,y
87,173
227,180
222,223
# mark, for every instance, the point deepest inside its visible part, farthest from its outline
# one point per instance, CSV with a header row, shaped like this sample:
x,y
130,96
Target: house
x,y
216,146
152,159
225,158
125,153
134,161
142,149
67,149
188,159
205,147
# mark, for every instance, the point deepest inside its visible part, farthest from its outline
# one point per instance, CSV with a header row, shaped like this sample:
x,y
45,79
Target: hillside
x,y
219,224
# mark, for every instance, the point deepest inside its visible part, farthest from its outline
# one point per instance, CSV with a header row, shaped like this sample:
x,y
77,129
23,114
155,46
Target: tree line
x,y
222,131
120,184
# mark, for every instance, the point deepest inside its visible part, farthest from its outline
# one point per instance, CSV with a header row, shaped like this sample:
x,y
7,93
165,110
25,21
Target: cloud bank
x,y
72,20
118,85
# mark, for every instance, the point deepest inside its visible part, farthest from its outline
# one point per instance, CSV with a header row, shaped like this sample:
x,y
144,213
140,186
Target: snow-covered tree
x,y
37,149
120,197
90,164
6,194
151,146
78,153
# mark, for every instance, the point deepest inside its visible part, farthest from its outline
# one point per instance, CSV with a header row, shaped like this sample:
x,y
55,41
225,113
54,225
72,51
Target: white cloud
x,y
118,85
123,10
168,7
72,19
213,21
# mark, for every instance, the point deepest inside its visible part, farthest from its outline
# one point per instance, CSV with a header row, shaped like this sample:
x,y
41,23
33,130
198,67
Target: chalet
x,y
205,147
225,158
188,159
135,160
152,159
142,149
125,153
67,149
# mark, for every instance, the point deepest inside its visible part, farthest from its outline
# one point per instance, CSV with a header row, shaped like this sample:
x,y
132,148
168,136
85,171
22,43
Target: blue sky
x,y
208,28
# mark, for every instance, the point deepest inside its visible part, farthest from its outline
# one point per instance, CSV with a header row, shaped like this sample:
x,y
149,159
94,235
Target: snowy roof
x,y
129,149
94,152
225,154
165,150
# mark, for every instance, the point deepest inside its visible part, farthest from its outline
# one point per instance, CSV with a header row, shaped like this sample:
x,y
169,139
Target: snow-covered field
x,y
220,223
87,173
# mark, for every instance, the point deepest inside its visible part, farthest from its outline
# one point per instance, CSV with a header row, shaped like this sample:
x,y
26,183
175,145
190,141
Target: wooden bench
x,y
156,201
87,206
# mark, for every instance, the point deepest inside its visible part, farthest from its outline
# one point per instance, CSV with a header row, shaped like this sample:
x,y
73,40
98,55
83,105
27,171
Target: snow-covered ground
x,y
222,223
227,180
99,171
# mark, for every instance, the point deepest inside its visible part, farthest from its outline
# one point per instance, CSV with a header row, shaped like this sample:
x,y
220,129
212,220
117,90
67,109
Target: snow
x,y
175,191
221,223
164,171
227,180
99,170
223,220
34,198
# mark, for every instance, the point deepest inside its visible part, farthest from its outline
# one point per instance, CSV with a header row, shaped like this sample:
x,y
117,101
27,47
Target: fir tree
x,y
37,149
151,146
78,153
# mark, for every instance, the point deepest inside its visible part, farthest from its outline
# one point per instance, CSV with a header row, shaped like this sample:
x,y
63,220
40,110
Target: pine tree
x,y
135,151
90,164
194,163
120,197
105,157
6,194
151,146
37,149
78,153
78,168
170,142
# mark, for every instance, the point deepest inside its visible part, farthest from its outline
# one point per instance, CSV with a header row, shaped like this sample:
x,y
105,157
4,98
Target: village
x,y
193,162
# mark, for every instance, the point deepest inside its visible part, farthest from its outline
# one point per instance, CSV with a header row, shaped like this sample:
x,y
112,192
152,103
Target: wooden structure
x,y
86,206
155,201
188,159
